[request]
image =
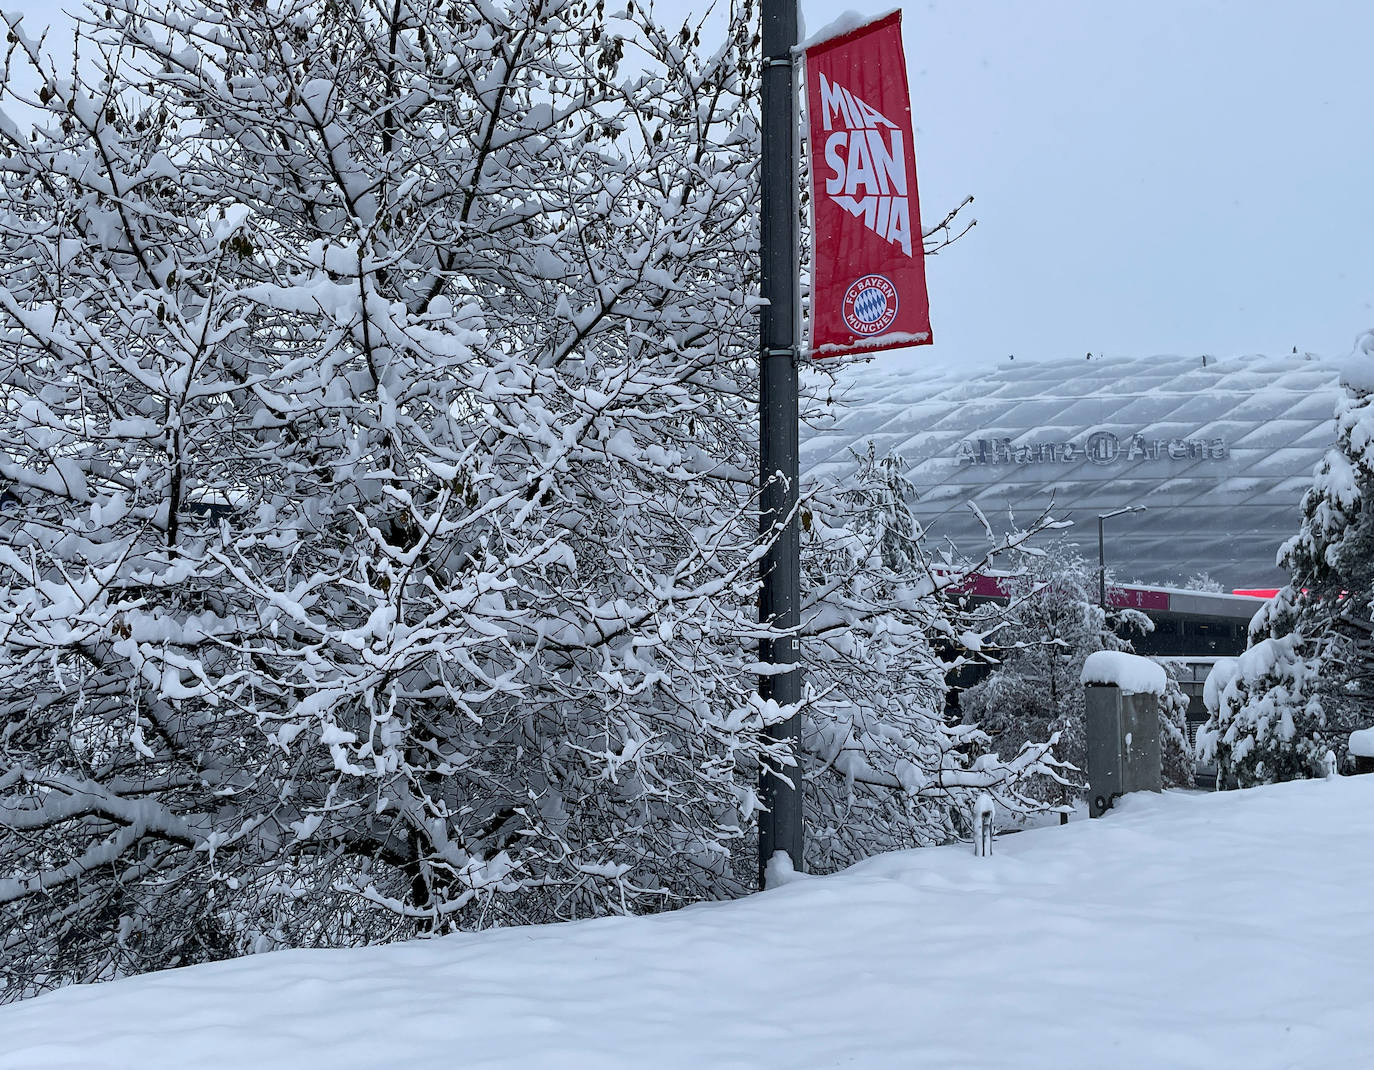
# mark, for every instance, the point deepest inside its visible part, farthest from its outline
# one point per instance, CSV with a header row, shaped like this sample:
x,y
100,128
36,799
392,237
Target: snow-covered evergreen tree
x,y
1266,721
1175,752
377,395
1308,677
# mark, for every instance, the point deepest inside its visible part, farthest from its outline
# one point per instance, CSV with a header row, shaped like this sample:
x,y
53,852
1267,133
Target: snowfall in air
x,y
1186,930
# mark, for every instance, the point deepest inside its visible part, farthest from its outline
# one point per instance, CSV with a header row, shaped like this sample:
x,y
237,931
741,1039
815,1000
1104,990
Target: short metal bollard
x,y
982,825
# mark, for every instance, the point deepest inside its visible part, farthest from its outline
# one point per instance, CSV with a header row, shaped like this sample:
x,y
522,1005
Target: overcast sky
x,y
1151,176
1171,176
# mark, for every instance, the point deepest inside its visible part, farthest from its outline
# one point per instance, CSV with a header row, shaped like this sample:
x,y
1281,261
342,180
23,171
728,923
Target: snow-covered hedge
x,y
1266,721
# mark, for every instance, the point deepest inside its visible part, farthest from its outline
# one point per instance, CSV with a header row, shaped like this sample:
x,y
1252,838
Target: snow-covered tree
x,y
377,394
1266,720
1308,677
1052,622
1201,581
883,630
1175,752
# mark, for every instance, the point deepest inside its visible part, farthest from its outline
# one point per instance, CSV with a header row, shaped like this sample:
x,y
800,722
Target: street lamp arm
x,y
1118,512
1102,552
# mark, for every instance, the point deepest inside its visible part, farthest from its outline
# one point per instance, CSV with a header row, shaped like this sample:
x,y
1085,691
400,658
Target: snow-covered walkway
x,y
1210,931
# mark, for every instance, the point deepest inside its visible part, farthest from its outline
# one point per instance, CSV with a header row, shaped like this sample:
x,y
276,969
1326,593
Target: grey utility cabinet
x,y
1123,745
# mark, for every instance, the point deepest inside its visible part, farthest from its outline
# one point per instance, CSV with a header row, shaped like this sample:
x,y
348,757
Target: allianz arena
x,y
1218,451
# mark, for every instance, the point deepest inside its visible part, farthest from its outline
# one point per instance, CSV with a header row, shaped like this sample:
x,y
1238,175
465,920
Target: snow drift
x,y
1226,930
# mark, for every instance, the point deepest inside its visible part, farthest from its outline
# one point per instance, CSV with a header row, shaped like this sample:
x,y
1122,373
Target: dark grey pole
x,y
1101,566
780,827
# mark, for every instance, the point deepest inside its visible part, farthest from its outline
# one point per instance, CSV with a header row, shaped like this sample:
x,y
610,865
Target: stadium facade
x,y
1219,451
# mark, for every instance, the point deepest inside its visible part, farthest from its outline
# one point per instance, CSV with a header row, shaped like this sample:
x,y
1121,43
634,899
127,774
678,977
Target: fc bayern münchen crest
x,y
870,305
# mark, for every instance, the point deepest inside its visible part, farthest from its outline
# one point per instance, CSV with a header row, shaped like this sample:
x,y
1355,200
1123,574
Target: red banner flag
x,y
868,274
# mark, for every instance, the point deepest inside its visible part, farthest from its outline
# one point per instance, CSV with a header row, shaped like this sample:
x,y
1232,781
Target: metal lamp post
x,y
780,823
1101,549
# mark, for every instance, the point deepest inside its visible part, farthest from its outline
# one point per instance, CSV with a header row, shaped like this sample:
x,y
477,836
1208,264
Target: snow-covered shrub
x,y
1266,722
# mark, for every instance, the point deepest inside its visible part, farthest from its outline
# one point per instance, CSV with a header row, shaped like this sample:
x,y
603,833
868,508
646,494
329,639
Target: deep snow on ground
x,y
1186,930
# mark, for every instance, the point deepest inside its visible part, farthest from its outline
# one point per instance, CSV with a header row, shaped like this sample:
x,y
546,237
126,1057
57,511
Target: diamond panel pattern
x,y
1218,454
